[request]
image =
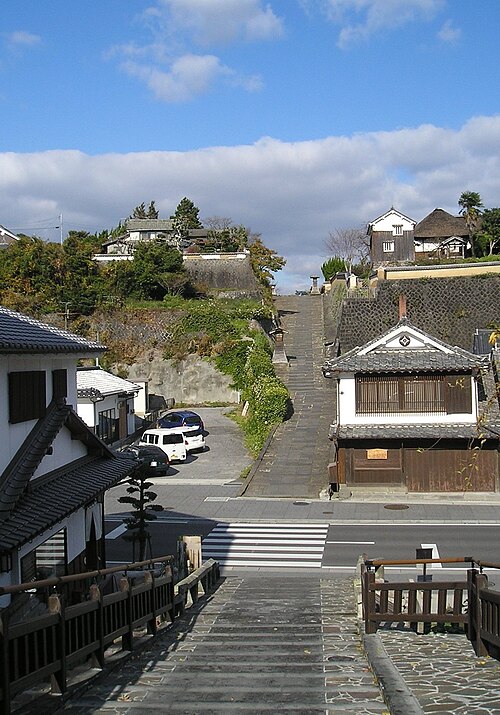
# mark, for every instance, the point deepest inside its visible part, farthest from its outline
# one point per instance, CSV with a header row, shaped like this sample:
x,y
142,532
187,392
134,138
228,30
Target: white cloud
x,y
293,193
213,22
359,19
188,77
169,66
21,38
448,33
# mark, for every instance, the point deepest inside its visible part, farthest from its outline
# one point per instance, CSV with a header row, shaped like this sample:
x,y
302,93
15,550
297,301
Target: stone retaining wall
x,y
450,309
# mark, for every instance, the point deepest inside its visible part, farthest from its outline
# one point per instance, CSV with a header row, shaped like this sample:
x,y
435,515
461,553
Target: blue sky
x,y
294,117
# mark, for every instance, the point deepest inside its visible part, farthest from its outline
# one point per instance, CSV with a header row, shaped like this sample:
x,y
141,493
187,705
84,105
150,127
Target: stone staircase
x,y
296,462
260,644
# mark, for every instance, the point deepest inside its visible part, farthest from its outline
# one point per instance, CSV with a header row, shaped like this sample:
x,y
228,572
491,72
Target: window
x,y
47,560
107,428
27,396
431,394
388,246
397,230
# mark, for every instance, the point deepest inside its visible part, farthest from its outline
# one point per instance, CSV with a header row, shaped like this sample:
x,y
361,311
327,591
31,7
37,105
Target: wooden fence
x,y
470,603
48,646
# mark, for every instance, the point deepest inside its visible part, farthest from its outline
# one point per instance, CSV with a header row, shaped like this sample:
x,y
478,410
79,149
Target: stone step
x,y
248,650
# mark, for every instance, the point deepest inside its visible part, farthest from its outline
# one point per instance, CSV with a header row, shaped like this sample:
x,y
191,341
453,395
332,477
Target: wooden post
x,y
369,601
193,550
58,679
4,665
475,583
97,657
127,638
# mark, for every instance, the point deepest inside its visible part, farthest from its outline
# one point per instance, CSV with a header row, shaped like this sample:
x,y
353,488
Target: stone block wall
x,y
448,308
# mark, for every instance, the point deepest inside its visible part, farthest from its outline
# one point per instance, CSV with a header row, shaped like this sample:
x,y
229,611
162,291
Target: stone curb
x,y
258,461
398,697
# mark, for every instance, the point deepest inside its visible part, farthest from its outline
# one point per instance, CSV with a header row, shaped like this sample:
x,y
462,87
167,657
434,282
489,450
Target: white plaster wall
x,y
87,412
386,224
13,435
347,410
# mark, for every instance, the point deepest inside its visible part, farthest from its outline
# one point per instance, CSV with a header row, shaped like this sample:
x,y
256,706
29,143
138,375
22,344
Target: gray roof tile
x,y
22,334
414,431
43,506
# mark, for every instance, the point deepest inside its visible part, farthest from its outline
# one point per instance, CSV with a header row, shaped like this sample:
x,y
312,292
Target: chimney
x,y
402,306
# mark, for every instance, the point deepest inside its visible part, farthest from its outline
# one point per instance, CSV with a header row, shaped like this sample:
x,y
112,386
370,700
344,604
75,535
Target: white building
x,y
106,403
53,469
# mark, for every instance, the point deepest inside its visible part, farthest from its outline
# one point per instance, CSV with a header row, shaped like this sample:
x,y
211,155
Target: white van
x,y
172,442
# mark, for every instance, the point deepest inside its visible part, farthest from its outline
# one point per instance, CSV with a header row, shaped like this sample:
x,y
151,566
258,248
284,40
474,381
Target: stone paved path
x,y
295,464
273,644
443,672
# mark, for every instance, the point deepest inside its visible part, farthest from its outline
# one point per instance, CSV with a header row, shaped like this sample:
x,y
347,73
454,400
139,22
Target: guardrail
x,y
470,603
47,646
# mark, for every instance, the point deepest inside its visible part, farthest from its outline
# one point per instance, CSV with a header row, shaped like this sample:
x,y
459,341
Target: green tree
x,y
142,212
470,208
153,262
82,281
333,265
32,275
489,236
185,217
264,261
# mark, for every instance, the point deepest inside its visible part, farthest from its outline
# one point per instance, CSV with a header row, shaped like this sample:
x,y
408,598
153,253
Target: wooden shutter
x,y
59,384
27,396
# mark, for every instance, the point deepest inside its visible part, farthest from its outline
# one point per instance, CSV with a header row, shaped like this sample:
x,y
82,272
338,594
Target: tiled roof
x,y
42,507
94,378
383,359
400,361
148,224
22,334
414,431
16,476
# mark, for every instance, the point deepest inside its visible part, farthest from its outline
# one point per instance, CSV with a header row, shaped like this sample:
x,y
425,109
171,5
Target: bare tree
x,y
350,244
218,223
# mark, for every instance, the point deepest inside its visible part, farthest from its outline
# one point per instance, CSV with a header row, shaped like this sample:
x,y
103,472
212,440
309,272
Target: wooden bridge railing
x,y
470,602
48,646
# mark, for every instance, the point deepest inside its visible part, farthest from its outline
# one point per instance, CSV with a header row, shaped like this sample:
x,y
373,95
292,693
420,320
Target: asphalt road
x,y
203,492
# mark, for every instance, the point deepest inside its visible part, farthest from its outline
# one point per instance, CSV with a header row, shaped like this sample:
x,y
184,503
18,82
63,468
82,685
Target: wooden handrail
x,y
370,563
56,580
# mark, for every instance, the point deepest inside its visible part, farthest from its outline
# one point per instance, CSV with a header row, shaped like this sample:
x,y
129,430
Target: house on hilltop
x,y
7,237
413,415
391,238
137,230
54,470
441,235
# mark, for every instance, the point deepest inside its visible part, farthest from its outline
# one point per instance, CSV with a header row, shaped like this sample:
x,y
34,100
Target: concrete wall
x,y
190,381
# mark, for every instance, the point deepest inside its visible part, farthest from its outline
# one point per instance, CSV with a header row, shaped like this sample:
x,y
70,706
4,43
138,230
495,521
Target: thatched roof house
x,y
439,224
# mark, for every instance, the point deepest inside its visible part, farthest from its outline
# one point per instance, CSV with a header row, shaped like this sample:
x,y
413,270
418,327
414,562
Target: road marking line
x,y
435,555
350,542
116,532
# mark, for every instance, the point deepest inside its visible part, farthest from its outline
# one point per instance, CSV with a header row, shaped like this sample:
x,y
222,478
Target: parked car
x,y
172,442
190,423
181,418
156,459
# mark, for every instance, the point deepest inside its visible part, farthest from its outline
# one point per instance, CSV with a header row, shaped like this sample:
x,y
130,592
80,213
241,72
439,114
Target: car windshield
x,y
192,421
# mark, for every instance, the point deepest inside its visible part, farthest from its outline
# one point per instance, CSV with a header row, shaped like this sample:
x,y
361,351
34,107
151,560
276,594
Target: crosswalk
x,y
266,544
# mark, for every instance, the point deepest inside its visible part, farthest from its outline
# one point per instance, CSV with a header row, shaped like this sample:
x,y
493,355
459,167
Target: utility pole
x,y
66,314
61,227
